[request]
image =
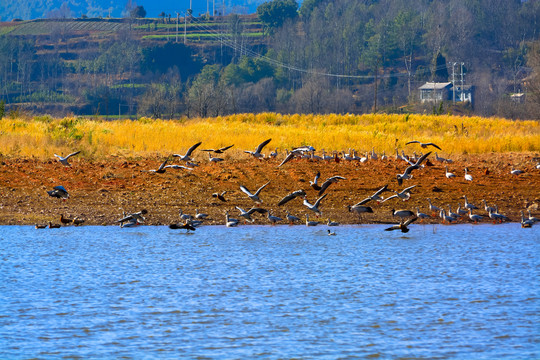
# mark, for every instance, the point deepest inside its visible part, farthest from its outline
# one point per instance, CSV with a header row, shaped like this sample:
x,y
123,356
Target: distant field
x,y
46,27
201,30
43,136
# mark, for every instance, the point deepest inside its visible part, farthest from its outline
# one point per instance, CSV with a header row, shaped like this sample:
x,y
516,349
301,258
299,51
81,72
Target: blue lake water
x,y
437,292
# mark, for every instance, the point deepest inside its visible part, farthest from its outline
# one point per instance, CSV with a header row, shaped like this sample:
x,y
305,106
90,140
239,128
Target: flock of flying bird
x,y
406,217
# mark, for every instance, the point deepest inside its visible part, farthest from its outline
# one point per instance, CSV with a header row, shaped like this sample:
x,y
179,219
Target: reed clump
x,y
43,136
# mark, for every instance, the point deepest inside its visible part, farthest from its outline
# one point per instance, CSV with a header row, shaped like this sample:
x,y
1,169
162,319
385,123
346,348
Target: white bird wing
x,y
388,198
262,145
366,200
317,176
434,145
407,189
190,150
245,190
328,182
226,147
289,157
291,196
413,142
422,158
380,191
408,222
259,210
260,189
163,164
72,154
242,211
319,200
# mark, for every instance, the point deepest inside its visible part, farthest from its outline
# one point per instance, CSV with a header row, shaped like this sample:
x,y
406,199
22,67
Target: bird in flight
x,y
423,145
220,150
187,157
64,159
160,169
255,197
376,196
407,174
328,182
291,196
257,153
314,207
403,226
220,196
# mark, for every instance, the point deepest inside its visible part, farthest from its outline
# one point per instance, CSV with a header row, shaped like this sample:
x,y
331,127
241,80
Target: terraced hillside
x,y
196,30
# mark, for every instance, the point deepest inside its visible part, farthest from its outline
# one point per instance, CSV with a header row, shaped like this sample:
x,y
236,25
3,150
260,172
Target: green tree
x,y
202,92
274,13
440,71
160,58
308,6
138,12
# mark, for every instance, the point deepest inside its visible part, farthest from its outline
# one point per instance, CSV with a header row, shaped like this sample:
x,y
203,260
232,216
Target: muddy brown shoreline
x,y
100,191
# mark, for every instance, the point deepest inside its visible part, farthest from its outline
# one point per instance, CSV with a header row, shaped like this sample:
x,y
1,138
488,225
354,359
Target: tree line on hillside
x,y
326,56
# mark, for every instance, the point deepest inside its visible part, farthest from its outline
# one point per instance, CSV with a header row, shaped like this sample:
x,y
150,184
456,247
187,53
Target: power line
x,y
277,63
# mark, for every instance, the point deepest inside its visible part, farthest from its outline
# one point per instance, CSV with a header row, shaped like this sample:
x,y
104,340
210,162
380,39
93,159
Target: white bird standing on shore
x,y
516,171
468,176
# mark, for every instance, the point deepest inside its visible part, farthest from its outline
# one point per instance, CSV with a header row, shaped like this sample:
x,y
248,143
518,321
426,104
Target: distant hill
x,y
35,9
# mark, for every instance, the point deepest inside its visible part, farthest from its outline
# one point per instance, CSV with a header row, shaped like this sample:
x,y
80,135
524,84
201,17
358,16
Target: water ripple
x,y
270,292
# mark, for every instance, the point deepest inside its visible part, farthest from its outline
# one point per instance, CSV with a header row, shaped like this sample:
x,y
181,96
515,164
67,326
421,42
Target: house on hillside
x,y
433,92
446,91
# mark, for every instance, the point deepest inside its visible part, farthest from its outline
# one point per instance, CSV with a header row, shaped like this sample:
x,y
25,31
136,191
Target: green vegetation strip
x,y
201,36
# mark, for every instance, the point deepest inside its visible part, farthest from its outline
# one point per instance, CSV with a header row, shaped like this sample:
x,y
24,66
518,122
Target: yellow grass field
x,y
40,137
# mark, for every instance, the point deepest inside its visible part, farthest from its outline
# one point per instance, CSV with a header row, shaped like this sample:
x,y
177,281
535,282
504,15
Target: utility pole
x,y
461,94
453,83
375,96
177,18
